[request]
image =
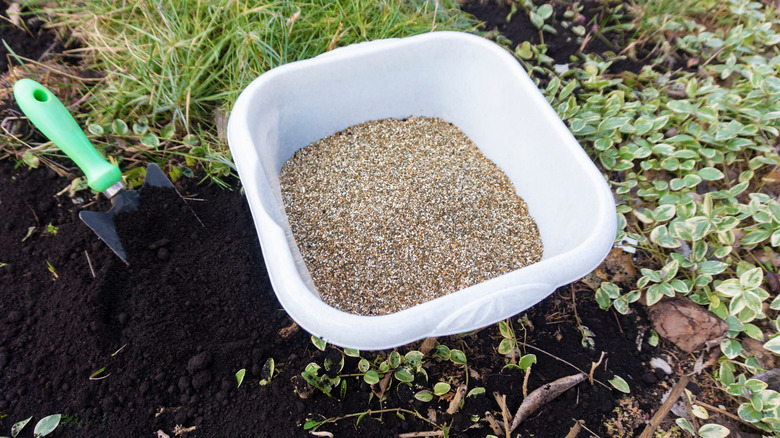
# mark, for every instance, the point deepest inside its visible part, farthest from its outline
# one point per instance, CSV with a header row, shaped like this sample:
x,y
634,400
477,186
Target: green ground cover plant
x,y
689,144
686,152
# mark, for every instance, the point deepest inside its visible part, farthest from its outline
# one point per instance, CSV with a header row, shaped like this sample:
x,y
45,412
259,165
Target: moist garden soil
x,y
127,350
195,306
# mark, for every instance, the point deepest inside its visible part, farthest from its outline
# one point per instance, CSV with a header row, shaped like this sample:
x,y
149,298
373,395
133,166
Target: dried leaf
x,y
543,395
617,267
686,324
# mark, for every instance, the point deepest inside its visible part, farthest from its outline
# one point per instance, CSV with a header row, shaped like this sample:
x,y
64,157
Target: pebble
x,y
391,213
199,362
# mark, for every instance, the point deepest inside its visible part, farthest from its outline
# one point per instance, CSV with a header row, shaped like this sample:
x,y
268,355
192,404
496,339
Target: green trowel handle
x,y
51,117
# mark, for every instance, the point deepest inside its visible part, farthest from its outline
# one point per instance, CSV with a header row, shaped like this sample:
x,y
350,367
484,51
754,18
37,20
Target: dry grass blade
x,y
494,424
541,396
421,434
457,399
665,408
575,430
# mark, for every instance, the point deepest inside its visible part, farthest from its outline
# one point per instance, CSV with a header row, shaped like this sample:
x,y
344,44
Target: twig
x,y
709,407
543,395
659,416
455,402
421,434
575,430
501,400
48,67
558,358
525,381
593,367
493,424
89,262
592,433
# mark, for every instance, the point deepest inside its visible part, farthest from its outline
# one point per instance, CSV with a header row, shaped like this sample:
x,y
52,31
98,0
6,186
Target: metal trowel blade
x,y
126,200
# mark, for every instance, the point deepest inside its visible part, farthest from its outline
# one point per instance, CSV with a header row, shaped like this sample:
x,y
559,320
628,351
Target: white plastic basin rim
x,y
468,81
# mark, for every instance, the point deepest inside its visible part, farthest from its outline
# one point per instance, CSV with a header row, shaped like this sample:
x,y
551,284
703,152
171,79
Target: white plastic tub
x,y
468,81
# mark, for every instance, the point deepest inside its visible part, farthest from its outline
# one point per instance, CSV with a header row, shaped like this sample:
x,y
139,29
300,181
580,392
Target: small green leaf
x,y
150,140
685,425
413,358
311,424
524,50
318,342
730,288
95,129
403,375
505,330
141,126
443,352
620,384
371,377
351,352
752,278
710,174
664,212
748,413
30,159
654,338
699,412
17,428
424,396
756,236
46,425
394,360
458,357
476,391
94,376
613,123
731,348
505,346
240,376
536,19
545,11
526,361
119,127
654,294
773,345
713,431
168,131
712,267
364,365
441,388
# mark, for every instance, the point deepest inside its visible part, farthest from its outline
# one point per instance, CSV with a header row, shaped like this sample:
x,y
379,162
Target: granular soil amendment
x,y
392,213
195,306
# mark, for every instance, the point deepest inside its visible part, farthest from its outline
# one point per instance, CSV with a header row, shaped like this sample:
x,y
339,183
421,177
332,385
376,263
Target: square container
x,y
463,79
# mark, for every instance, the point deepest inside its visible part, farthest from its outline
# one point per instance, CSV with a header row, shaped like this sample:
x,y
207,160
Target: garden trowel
x,y
51,117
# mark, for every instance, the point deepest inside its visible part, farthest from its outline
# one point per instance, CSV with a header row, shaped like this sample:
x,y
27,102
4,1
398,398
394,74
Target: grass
x,y
178,65
689,144
181,60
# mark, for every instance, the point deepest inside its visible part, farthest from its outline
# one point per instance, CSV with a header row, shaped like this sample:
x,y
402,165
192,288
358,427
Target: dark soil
x,y
31,45
563,48
195,306
125,351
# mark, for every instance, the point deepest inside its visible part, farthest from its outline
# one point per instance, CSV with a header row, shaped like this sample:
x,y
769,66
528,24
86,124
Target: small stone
x,y
163,254
199,362
14,316
184,383
661,364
